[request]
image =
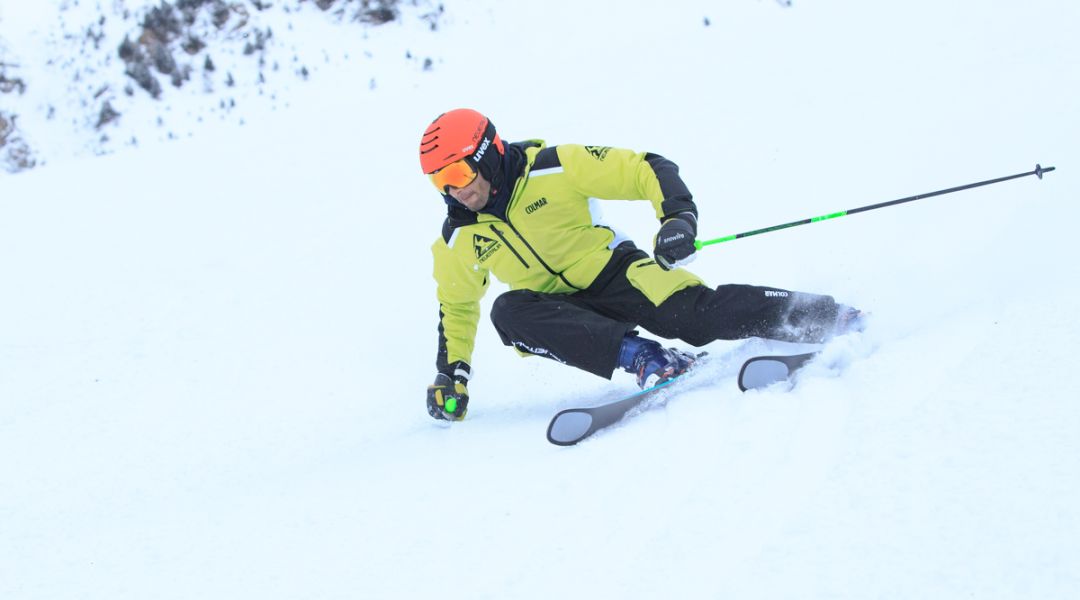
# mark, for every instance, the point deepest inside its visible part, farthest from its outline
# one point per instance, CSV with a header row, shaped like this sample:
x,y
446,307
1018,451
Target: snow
x,y
213,351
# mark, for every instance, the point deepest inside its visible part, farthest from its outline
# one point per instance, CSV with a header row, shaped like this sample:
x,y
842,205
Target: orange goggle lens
x,y
456,174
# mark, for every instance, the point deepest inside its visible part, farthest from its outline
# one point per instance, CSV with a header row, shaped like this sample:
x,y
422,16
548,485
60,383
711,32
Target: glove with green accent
x,y
674,243
448,398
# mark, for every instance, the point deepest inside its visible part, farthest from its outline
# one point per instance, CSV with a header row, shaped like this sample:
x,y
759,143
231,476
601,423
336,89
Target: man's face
x,y
475,195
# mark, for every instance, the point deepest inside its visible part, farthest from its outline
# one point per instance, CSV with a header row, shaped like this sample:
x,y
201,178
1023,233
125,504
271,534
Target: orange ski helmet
x,y
459,134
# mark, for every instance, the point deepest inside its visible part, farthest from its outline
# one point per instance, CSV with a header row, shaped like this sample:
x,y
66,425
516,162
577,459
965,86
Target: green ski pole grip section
x,y
829,216
700,244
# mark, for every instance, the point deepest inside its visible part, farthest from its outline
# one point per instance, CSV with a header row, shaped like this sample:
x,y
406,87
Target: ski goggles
x,y
457,174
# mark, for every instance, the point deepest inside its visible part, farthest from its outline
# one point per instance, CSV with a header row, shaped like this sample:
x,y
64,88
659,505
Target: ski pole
x,y
1039,170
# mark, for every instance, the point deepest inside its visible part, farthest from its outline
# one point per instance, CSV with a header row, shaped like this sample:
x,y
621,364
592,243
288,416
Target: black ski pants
x,y
585,329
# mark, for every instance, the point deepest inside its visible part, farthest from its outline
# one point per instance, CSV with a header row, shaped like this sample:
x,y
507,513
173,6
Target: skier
x,y
527,213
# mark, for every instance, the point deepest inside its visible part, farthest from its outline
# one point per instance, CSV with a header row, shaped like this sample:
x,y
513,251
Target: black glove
x,y
447,398
674,243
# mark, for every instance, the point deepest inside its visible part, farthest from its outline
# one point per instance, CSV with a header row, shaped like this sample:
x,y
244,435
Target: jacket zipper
x,y
534,253
507,244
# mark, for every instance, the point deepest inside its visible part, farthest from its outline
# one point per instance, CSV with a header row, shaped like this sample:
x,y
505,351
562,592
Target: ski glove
x,y
447,398
674,243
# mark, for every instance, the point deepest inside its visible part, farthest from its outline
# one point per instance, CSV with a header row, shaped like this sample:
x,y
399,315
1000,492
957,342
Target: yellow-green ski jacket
x,y
549,241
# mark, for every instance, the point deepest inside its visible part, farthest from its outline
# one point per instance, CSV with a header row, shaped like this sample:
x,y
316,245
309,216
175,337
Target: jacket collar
x,y
515,165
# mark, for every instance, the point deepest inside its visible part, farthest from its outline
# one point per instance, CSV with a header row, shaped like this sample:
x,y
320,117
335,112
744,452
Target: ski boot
x,y
651,363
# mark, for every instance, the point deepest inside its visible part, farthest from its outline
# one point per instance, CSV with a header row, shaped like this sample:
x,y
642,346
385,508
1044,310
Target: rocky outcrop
x,y
15,153
221,50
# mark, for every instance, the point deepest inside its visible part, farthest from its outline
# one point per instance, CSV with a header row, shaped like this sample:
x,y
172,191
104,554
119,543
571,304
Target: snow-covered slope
x,y
213,352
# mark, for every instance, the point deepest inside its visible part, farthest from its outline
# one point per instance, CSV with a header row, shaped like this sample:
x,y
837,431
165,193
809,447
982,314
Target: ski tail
x,y
763,371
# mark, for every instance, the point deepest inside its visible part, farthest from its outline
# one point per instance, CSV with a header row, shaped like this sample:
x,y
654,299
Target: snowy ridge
x,y
95,77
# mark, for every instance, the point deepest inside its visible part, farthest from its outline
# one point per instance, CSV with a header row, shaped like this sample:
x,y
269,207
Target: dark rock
x,y
180,75
107,115
142,76
220,15
11,85
7,125
259,43
15,153
378,16
163,23
192,45
163,59
128,50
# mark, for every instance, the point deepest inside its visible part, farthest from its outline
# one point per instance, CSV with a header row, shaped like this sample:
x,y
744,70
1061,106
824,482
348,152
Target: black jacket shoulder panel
x,y
677,197
447,230
547,158
456,217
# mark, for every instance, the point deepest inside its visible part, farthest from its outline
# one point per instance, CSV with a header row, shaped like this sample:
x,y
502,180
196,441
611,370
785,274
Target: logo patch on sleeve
x,y
598,152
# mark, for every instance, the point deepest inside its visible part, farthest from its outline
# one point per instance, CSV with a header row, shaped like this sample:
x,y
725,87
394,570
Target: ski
x,y
570,426
763,371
